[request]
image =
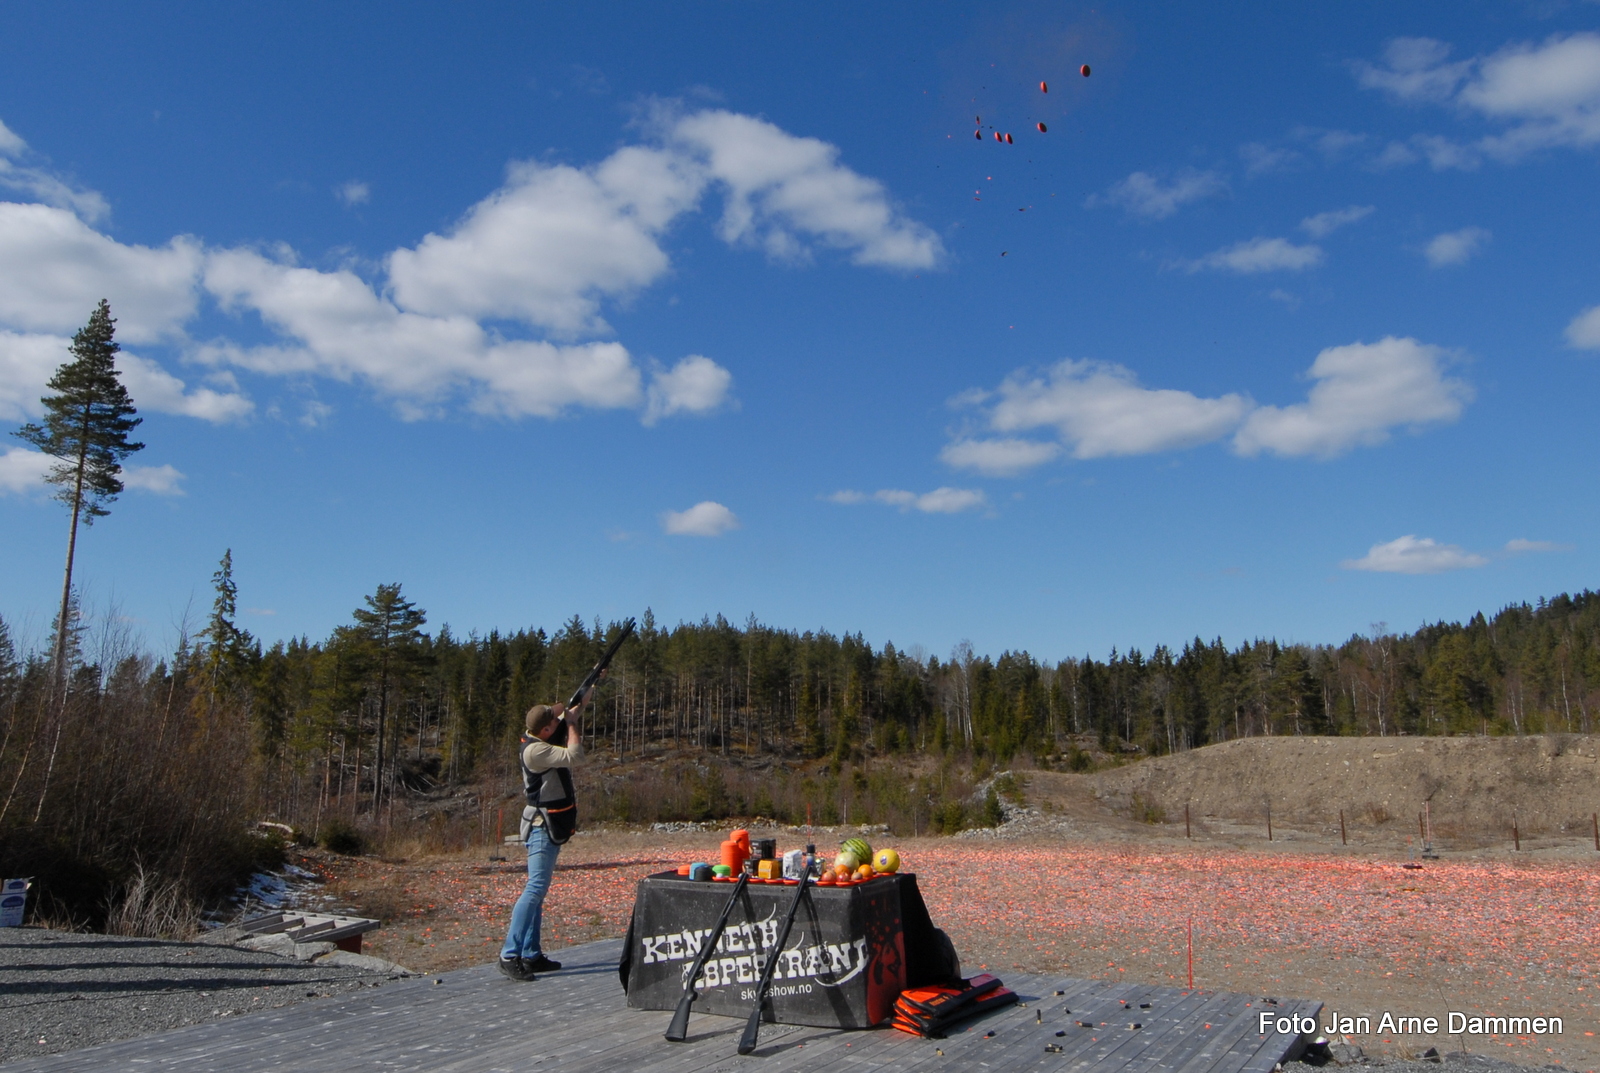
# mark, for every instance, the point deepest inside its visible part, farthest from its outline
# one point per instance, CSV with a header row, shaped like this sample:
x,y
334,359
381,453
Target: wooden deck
x,y
476,1021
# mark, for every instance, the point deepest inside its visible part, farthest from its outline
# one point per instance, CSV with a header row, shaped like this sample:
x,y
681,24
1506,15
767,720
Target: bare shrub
x,y
153,908
1373,813
1146,810
128,795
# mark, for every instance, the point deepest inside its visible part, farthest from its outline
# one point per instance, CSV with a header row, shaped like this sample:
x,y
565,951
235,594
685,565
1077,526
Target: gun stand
x,y
1428,852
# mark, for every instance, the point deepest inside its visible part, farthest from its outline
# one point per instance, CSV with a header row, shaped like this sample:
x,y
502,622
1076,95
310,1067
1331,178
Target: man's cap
x,y
537,714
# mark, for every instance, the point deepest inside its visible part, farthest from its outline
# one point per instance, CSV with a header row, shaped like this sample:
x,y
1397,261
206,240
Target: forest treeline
x,y
383,709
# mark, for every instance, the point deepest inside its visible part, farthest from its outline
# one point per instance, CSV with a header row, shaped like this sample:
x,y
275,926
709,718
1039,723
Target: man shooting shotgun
x,y
552,743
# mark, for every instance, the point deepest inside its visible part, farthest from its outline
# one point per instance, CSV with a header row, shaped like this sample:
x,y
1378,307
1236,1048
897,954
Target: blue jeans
x,y
522,938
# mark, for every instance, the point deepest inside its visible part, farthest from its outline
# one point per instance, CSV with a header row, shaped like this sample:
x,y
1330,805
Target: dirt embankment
x,y
1473,787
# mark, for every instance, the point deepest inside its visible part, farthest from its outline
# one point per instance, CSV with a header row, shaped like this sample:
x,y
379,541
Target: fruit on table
x,y
859,847
886,860
847,859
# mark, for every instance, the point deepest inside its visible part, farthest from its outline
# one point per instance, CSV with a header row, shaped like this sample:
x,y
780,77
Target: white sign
x,y
13,898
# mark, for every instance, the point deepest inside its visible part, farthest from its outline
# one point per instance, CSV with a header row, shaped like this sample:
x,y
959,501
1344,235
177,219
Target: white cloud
x,y
781,188
1521,546
1414,70
547,249
1444,154
552,242
1261,159
1455,247
1414,555
1260,255
27,362
1363,391
345,331
1394,155
1143,194
1002,457
1099,409
38,183
23,470
353,193
54,269
161,480
1551,92
939,501
1547,95
153,388
1584,331
707,519
696,385
1333,143
1326,223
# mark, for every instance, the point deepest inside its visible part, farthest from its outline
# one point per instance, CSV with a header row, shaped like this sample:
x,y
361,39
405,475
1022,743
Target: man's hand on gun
x,y
571,716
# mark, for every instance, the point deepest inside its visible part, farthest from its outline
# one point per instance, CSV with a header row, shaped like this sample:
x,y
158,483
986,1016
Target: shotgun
x,y
678,1030
594,674
752,1028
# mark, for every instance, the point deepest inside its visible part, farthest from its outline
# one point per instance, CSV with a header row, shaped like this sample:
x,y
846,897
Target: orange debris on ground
x,y
1488,936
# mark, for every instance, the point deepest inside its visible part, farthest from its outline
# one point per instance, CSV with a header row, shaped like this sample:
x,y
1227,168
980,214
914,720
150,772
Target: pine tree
x,y
86,427
393,626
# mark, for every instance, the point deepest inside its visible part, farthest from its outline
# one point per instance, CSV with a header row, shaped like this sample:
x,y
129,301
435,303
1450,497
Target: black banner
x,y
842,967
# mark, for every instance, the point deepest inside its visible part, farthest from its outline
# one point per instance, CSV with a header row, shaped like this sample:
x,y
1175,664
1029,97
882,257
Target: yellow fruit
x,y
887,860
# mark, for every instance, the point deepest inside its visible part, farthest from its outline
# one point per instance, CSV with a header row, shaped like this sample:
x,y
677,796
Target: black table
x,y
851,951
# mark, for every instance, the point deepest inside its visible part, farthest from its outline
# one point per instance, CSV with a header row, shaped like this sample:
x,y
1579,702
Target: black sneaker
x,y
541,964
518,969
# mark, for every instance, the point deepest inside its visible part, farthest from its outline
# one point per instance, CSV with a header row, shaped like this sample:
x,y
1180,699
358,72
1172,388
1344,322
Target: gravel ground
x,y
62,990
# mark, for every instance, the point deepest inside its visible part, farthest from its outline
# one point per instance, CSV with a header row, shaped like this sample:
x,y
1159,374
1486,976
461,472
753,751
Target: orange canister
x,y
733,856
742,837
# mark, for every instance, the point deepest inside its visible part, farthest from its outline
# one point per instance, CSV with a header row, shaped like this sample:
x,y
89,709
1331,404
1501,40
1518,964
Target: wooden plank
x,y
1183,1036
576,1021
1255,1045
1240,1022
1184,1031
1108,1047
965,1048
1270,1053
1024,1042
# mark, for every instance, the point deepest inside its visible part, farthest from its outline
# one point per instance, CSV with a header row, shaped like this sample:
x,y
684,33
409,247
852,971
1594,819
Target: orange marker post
x,y
1191,953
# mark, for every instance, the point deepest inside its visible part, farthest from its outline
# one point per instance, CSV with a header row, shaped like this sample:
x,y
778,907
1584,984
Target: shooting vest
x,y
550,795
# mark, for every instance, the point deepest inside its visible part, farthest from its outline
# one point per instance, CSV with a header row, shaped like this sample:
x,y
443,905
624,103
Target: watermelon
x,y
859,847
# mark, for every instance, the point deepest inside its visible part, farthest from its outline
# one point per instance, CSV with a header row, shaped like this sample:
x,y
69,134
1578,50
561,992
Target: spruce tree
x,y
86,425
392,625
229,651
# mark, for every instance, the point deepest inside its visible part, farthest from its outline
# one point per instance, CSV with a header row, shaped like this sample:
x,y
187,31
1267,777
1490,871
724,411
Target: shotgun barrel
x,y
678,1030
594,674
752,1028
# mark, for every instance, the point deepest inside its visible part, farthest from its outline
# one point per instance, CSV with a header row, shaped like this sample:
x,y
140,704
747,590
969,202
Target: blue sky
x,y
1287,324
